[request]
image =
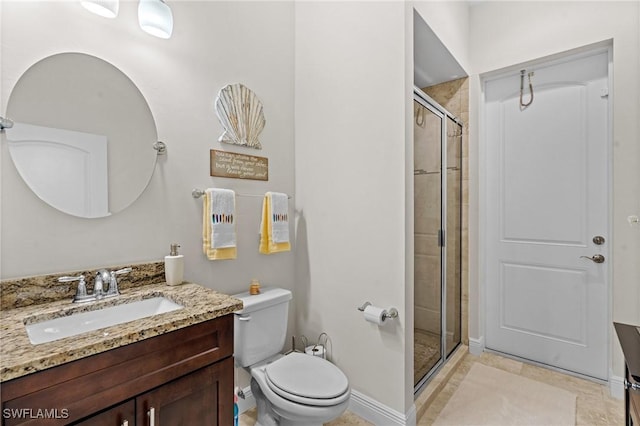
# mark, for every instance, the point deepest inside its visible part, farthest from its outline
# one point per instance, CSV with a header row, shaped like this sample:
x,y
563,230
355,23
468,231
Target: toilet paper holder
x,y
390,313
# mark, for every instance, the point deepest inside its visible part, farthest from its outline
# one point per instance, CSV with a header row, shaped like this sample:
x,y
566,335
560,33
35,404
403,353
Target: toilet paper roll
x,y
374,314
315,350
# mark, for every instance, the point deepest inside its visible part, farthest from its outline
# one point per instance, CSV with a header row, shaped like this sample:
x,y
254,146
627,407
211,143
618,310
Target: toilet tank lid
x,y
268,296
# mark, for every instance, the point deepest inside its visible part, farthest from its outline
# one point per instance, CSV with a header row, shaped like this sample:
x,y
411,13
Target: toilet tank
x,y
260,328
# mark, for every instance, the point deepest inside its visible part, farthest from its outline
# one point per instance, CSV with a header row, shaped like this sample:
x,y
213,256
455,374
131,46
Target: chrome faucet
x,y
113,282
102,277
81,291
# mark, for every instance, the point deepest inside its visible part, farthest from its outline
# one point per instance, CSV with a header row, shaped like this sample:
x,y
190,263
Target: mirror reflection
x,y
83,135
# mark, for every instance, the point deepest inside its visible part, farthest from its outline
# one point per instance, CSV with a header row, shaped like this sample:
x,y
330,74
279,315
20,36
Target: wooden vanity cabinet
x,y
120,415
184,377
632,402
629,337
188,400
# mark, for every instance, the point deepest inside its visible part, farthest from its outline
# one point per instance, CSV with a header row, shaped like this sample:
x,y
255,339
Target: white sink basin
x,y
82,322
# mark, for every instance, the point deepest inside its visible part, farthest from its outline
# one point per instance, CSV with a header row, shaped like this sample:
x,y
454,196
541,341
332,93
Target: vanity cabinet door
x,y
633,399
120,415
202,398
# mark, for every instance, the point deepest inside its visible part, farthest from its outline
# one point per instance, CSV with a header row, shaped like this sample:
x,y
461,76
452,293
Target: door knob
x,y
597,258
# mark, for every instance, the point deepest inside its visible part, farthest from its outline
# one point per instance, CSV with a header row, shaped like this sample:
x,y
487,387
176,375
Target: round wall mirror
x,y
83,135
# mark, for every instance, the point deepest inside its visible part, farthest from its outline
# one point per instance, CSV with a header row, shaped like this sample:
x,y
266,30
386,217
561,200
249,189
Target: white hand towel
x,y
279,217
275,220
222,210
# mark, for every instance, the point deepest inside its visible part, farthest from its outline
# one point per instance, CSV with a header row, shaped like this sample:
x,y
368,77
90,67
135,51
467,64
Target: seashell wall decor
x,y
240,113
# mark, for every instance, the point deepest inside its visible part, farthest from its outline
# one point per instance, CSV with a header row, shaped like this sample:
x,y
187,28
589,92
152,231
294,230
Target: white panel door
x,y
66,169
547,180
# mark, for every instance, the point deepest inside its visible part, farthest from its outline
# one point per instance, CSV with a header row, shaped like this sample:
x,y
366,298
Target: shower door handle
x,y
597,258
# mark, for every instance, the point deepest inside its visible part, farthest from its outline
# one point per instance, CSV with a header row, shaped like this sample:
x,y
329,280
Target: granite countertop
x,y
19,357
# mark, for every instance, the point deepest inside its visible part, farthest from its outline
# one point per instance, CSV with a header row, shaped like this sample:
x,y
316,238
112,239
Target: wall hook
x,y
522,104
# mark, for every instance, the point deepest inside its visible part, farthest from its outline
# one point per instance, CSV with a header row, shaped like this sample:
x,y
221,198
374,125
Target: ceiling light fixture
x,y
106,8
155,17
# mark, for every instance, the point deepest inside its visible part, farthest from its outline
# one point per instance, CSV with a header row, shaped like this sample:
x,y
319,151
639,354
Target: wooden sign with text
x,y
239,166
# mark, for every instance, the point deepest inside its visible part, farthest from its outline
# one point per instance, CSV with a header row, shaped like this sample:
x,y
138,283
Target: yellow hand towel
x,y
274,214
207,228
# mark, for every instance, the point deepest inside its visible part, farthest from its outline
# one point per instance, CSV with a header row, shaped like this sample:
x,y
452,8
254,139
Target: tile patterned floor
x,y
594,405
249,419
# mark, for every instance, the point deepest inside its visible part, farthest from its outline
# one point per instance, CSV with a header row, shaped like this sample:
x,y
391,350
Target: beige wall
x,y
351,97
449,20
251,43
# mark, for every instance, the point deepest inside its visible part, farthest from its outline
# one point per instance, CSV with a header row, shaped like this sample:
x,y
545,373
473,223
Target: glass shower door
x,y
428,128
453,243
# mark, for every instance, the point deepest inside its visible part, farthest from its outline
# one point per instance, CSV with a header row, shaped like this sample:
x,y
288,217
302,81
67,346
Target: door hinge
x,y
604,92
441,239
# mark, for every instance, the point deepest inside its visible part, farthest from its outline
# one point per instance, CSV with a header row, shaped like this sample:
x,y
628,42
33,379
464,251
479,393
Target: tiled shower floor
x,y
426,353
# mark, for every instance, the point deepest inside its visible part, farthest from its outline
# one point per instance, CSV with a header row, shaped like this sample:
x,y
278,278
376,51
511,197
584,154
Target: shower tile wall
x,y
454,96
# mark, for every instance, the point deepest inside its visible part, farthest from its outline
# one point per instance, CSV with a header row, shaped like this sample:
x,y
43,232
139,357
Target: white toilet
x,y
293,389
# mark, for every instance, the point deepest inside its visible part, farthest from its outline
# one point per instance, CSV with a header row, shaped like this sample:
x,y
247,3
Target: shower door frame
x,y
429,103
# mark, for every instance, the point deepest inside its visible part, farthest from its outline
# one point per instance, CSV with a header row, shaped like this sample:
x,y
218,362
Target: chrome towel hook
x,y
522,104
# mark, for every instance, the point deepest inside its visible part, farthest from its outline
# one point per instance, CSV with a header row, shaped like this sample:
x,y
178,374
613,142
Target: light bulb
x,y
155,17
106,8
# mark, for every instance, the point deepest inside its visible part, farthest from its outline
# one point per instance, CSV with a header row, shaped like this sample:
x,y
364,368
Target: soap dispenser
x,y
174,266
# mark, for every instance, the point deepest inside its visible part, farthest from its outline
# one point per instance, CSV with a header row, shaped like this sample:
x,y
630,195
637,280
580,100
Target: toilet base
x,y
285,422
266,415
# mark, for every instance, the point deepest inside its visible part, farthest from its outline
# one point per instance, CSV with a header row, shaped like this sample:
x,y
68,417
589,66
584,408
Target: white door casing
x,y
547,197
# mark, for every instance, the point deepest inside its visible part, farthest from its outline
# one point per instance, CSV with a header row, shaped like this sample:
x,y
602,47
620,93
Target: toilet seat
x,y
308,380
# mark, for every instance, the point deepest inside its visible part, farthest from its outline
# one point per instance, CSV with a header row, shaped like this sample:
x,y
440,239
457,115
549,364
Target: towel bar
x,y
197,193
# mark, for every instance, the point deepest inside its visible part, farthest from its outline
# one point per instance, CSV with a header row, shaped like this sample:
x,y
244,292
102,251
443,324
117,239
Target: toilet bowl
x,y
294,389
299,389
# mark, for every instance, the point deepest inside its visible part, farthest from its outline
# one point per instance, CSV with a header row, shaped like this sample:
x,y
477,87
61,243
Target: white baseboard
x,y
248,402
476,346
379,414
616,387
359,404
